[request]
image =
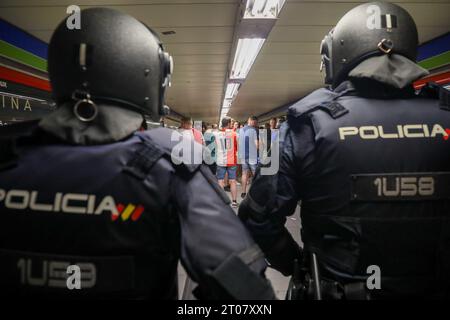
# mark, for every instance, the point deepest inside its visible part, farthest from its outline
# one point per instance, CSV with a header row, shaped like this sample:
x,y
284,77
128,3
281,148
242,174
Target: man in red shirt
x,y
186,125
226,150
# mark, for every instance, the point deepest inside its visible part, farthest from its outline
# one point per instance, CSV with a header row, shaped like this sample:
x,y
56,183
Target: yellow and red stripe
x,y
125,212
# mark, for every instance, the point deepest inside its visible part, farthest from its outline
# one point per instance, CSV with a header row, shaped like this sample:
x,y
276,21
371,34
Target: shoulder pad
x,y
8,156
166,140
9,135
18,129
161,137
432,90
284,128
323,99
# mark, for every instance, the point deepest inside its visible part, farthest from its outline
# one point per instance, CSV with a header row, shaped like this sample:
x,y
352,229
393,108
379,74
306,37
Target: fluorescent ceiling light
x,y
232,89
263,9
225,107
226,103
246,52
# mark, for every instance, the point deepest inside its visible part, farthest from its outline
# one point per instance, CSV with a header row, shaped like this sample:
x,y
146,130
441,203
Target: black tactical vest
x,y
103,208
379,193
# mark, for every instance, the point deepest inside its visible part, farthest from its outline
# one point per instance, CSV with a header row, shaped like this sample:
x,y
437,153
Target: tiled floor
x,y
279,282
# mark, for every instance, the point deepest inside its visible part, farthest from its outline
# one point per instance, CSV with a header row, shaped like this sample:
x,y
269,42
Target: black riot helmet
x,y
113,58
368,30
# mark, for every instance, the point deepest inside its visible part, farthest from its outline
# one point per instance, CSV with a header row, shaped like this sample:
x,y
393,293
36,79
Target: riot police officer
x,y
369,159
87,190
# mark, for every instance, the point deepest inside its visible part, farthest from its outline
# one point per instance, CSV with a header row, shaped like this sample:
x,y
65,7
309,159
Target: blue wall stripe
x,y
434,47
23,40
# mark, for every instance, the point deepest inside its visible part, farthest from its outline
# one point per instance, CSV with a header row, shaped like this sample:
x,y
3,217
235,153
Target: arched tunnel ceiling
x,y
286,69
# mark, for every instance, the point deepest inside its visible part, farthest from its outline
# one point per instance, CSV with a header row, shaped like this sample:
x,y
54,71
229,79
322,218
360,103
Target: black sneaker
x,y
227,188
243,194
234,204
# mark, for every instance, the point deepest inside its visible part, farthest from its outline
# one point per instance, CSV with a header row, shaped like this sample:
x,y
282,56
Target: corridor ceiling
x,y
286,69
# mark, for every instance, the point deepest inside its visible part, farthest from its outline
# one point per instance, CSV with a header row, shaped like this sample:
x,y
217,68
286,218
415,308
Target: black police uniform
x,y
85,191
373,177
124,214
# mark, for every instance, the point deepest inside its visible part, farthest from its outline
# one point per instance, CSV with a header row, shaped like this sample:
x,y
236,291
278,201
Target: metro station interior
x,y
232,59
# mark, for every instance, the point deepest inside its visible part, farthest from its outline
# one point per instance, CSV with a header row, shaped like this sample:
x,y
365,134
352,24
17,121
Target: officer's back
x,y
87,192
369,159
